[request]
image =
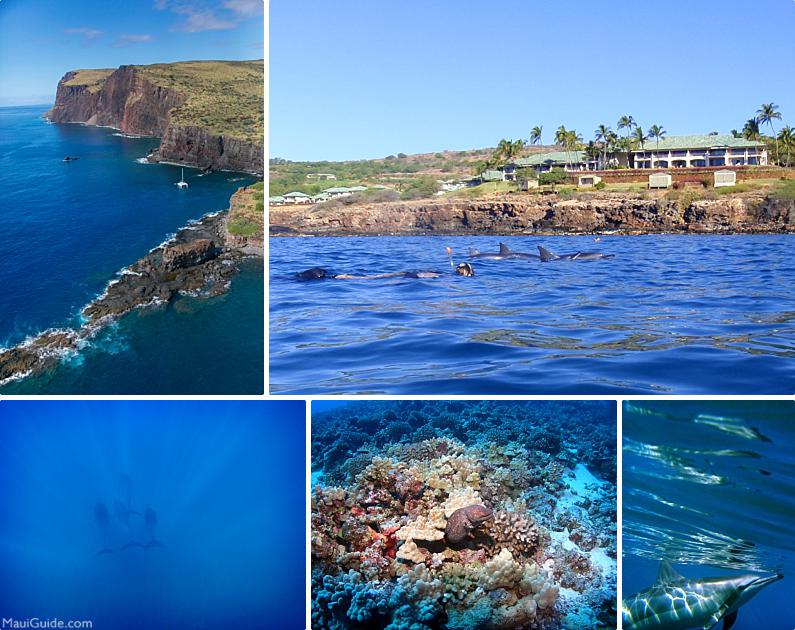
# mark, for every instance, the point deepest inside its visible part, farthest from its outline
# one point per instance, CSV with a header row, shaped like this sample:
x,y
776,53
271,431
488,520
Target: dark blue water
x,y
233,537
681,314
710,485
69,228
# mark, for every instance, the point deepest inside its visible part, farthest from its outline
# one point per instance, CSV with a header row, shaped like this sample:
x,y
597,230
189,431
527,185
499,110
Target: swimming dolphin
x,y
675,602
547,256
505,253
102,517
150,518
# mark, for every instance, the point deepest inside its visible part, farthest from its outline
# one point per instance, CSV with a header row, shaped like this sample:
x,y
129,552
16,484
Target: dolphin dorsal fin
x,y
504,249
667,573
546,254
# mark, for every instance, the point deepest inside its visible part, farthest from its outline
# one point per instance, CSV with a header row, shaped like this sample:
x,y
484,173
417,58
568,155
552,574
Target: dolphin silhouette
x,y
675,602
547,255
505,253
102,517
150,519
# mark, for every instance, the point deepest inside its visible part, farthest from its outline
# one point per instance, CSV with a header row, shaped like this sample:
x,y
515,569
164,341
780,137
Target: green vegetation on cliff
x,y
247,211
92,79
224,97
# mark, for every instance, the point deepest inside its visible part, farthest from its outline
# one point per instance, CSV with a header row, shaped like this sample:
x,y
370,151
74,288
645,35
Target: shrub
x,y
555,176
600,185
420,187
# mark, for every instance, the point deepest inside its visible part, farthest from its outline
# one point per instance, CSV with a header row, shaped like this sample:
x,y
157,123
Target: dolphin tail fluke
x,y
103,551
132,544
473,251
728,620
154,543
546,255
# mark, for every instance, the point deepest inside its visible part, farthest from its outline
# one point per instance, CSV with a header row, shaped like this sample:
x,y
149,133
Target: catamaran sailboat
x,y
182,183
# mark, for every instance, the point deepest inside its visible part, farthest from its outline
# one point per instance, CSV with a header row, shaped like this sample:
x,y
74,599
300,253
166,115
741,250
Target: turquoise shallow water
x,y
69,228
710,486
670,314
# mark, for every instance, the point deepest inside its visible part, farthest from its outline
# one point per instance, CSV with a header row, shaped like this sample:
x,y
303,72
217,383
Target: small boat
x,y
182,183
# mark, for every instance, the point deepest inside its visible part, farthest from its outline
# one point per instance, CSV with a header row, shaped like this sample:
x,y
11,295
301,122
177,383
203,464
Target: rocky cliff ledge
x,y
518,214
207,114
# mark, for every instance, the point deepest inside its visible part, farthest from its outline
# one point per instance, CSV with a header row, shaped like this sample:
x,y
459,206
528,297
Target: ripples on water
x,y
670,314
710,482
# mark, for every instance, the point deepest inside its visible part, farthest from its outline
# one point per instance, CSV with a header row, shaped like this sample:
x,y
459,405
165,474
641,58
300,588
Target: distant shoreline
x,y
742,213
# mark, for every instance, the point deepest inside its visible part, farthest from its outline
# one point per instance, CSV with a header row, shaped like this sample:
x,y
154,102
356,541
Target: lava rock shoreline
x,y
196,261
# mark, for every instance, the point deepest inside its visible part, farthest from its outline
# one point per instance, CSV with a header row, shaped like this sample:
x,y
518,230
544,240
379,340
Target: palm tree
x,y
573,142
787,138
602,135
628,123
503,148
767,114
640,138
657,132
561,139
535,135
751,129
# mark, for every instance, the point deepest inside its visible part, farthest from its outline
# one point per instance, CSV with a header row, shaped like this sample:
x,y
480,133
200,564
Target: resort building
x,y
569,160
700,151
297,197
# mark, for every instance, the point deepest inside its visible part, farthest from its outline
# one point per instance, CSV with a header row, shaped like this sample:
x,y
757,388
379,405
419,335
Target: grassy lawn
x,y
483,190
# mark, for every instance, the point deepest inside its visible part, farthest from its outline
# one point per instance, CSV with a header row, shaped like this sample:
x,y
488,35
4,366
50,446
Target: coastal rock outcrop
x,y
518,214
197,261
189,254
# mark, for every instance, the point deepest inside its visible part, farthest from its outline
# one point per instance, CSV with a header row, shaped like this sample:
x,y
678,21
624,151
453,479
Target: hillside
x,y
393,170
207,113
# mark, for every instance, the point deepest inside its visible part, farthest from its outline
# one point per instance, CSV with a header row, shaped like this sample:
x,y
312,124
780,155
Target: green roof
x,y
491,176
674,143
337,189
296,194
553,157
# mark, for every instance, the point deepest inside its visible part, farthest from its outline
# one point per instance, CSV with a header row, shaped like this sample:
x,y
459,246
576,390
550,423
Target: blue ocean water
x,y
232,536
684,314
710,486
69,228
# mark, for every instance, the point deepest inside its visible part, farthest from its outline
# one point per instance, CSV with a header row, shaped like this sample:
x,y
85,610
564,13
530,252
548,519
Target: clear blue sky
x,y
352,79
40,40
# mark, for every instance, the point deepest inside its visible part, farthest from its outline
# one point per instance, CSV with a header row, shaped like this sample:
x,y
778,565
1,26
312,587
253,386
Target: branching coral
x,y
428,527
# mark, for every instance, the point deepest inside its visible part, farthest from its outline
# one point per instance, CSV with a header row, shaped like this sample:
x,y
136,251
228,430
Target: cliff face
x,y
128,101
531,214
125,100
194,145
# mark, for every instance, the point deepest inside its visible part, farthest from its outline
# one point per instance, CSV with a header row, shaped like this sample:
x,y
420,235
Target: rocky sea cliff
x,y
526,214
128,100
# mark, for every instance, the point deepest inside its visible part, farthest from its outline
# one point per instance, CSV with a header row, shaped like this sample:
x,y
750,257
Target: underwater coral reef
x,y
464,515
